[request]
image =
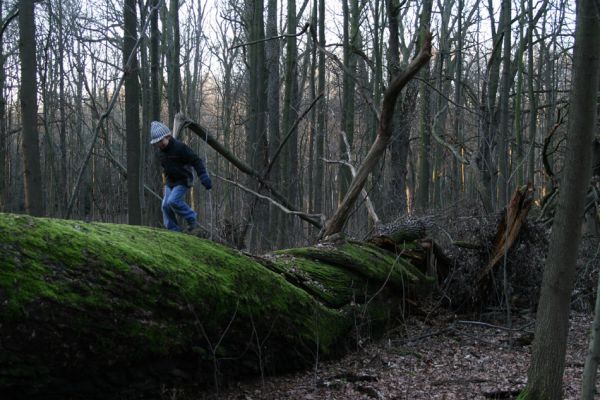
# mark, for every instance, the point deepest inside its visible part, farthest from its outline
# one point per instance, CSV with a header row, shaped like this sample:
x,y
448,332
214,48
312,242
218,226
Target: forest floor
x,y
431,358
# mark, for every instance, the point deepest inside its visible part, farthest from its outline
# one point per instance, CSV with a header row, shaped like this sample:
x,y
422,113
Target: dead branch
x,y
363,192
547,141
279,205
304,29
384,135
204,134
289,134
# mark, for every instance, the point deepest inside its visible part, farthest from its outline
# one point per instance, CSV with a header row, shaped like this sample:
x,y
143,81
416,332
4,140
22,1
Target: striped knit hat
x,y
158,131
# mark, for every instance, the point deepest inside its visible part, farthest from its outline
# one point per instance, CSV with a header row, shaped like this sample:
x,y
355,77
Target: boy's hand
x,y
206,182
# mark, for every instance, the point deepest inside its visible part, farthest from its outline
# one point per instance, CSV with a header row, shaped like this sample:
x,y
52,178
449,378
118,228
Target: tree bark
x,y
132,114
424,163
321,118
549,347
504,131
34,199
402,118
173,60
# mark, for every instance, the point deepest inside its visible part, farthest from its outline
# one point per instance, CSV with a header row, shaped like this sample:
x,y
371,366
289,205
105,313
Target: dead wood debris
x,y
451,365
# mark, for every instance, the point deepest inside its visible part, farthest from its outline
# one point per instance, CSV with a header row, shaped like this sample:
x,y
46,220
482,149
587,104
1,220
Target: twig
x,y
304,29
486,325
289,134
365,195
275,203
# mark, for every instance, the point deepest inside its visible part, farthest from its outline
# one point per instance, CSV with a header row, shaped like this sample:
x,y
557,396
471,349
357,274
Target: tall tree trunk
x,y
549,347
321,117
424,166
504,132
272,54
402,118
174,74
155,175
309,180
3,123
132,113
488,124
442,94
31,150
350,17
532,98
256,138
62,134
290,114
146,97
458,174
517,152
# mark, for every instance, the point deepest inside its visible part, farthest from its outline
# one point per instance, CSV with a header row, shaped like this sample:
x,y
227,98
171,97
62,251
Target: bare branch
x,y
304,29
384,136
275,203
205,135
289,134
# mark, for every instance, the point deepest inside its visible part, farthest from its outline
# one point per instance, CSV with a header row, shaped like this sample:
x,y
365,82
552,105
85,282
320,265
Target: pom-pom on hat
x,y
158,131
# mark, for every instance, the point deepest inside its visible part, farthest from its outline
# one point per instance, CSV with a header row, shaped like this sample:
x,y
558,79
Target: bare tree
x,y
132,113
549,347
34,202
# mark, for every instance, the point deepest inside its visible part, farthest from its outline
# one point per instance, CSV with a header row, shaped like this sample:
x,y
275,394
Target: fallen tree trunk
x,y
90,308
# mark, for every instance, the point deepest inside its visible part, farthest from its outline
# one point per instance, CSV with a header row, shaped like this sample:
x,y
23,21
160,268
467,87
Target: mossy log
x,y
88,308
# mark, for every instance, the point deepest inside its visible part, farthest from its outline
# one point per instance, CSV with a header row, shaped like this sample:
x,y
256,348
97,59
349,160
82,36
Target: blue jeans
x,y
173,204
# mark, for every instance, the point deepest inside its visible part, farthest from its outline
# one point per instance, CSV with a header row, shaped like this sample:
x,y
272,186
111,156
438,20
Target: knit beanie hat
x,y
158,131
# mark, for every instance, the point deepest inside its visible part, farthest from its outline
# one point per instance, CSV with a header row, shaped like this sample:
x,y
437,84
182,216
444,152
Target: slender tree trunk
x,y
155,175
174,74
290,114
3,122
549,347
517,152
132,114
424,164
256,143
532,98
273,87
62,134
402,118
440,170
350,9
488,124
34,203
504,132
458,172
309,180
321,117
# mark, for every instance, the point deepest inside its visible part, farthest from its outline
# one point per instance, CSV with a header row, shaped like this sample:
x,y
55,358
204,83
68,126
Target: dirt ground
x,y
432,358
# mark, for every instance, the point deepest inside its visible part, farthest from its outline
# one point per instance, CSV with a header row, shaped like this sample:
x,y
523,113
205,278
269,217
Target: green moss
x,y
366,260
129,293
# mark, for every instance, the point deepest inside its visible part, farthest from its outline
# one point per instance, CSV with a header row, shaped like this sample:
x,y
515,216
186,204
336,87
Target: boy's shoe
x,y
194,229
